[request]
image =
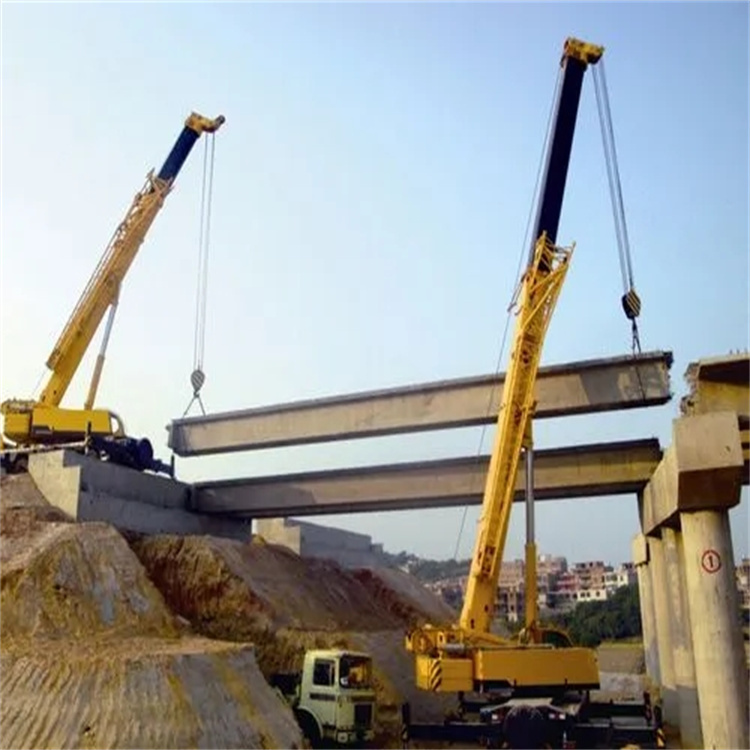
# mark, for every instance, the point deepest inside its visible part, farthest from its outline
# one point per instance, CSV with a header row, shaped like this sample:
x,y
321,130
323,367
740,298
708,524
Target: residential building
x,y
622,575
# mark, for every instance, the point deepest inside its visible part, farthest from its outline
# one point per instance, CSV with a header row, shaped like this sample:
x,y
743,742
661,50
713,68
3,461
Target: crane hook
x,y
197,379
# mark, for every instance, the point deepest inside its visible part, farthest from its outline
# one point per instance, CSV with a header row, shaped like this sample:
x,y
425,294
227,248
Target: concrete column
x,y
720,666
648,618
670,705
682,643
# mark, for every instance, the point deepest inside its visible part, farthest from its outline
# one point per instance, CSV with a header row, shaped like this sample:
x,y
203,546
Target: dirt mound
x,y
91,656
230,589
141,693
24,512
77,580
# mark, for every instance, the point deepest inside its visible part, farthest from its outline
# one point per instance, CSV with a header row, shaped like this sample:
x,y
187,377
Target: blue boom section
x,y
558,157
179,153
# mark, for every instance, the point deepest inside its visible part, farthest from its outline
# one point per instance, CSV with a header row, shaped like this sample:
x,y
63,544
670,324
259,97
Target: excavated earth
x,y
166,641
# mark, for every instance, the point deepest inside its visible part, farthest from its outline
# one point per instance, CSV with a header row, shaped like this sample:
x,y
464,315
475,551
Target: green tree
x,y
615,618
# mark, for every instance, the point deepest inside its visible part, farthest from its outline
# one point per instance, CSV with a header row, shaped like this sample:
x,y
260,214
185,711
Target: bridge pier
x,y
648,618
682,640
720,666
697,481
663,615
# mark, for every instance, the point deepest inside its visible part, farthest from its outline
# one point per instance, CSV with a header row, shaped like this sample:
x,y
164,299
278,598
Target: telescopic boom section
x,y
540,288
576,57
103,287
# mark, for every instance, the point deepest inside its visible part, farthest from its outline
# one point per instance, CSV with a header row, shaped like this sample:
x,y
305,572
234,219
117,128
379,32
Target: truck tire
x,y
310,728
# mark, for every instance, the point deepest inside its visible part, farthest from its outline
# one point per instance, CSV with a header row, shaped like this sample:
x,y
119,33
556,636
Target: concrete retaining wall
x,y
348,548
87,489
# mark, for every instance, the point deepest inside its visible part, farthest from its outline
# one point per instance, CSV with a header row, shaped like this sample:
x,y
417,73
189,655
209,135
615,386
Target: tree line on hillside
x,y
428,571
612,619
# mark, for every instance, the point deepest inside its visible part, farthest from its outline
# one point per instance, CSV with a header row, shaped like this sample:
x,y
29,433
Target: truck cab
x,y
334,700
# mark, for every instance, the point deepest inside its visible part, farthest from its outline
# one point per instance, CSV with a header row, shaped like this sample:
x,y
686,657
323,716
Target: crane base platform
x,y
562,723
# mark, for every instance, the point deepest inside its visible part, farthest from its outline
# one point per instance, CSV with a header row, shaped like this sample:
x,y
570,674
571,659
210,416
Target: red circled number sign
x,y
711,561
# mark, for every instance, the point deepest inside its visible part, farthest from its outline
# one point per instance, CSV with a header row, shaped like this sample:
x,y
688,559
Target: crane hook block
x,y
197,379
631,304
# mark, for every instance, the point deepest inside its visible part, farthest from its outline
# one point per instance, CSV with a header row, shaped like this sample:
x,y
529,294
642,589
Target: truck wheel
x,y
524,726
309,728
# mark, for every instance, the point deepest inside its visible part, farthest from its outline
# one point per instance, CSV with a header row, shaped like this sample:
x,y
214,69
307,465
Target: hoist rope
x,y
198,377
519,272
630,301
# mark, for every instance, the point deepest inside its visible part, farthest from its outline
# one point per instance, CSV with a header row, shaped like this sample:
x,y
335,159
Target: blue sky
x,y
372,188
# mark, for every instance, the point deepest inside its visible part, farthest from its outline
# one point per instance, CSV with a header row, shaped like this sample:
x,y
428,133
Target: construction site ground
x,y
167,641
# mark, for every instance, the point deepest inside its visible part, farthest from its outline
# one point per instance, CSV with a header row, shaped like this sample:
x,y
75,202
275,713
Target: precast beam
x,y
589,386
718,384
580,471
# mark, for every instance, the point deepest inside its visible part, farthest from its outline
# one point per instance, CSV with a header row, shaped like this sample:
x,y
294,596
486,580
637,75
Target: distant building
x,y
511,590
551,565
591,574
563,595
622,575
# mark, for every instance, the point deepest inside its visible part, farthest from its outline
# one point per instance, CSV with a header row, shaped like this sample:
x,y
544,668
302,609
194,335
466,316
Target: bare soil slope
x,y
233,589
91,656
404,596
140,693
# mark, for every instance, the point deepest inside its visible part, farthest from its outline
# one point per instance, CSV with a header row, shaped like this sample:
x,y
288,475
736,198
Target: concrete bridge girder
x,y
575,388
579,471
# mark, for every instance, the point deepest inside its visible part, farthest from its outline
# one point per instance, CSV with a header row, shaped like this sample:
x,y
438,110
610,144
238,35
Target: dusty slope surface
x,y
233,589
91,656
284,604
75,580
403,595
151,693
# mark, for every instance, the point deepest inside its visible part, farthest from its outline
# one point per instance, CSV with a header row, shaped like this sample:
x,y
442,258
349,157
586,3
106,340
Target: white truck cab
x,y
333,699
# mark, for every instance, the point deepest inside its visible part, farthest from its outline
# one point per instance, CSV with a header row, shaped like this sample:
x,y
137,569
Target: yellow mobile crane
x,y
31,425
542,663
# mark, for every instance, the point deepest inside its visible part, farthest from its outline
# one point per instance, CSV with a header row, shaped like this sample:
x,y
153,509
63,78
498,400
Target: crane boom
x,y
28,423
104,284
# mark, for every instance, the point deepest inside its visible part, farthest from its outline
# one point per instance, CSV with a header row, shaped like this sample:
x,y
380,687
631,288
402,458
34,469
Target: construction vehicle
x,y
539,679
33,425
332,697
